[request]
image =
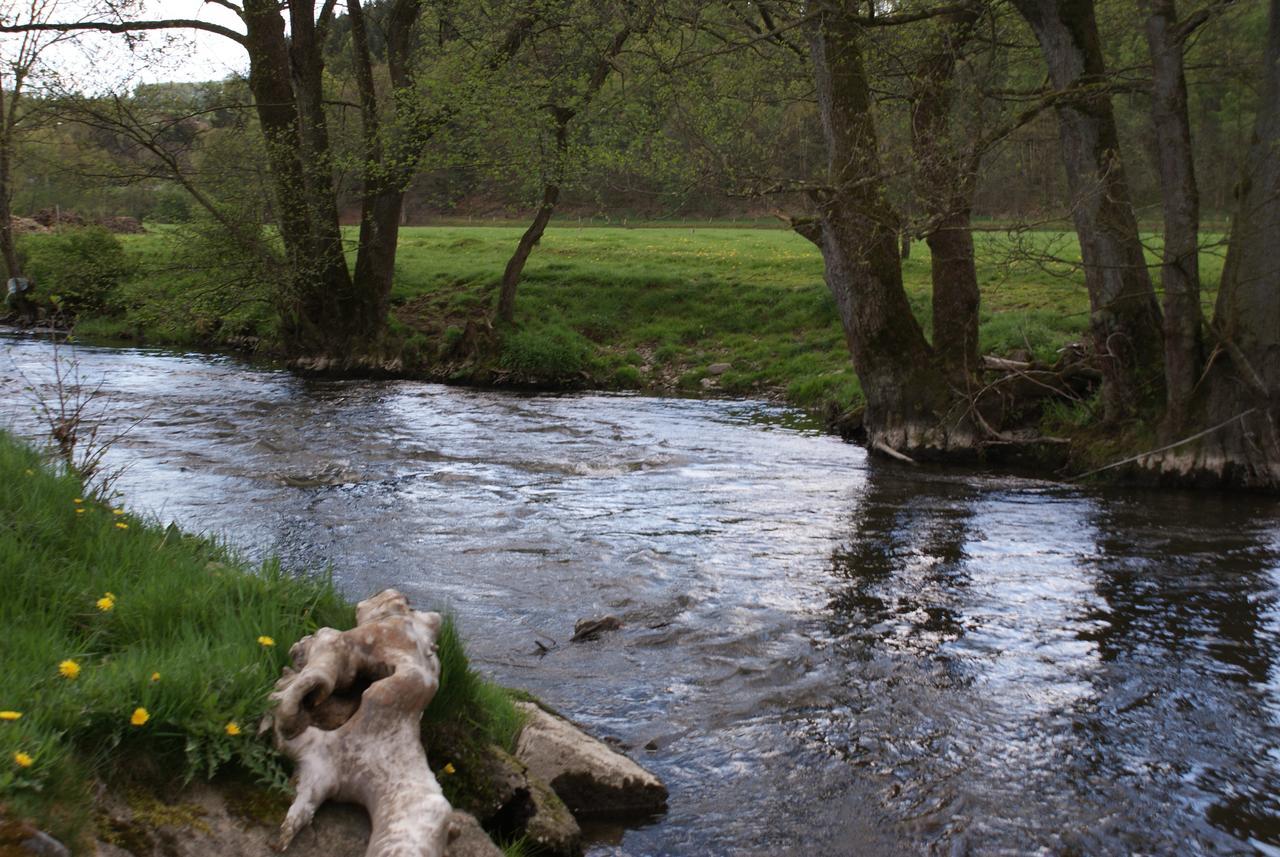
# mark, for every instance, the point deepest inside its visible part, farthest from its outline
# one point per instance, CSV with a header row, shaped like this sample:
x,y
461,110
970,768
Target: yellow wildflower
x,y
22,760
10,715
31,473
78,500
79,511
69,669
266,642
139,717
117,511
106,603
233,729
448,769
121,526
155,676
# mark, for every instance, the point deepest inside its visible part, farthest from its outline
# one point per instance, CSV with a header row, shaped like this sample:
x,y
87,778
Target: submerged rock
x,y
592,779
590,629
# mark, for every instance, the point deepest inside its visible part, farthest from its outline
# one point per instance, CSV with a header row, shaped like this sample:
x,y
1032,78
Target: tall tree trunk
x,y
947,180
512,274
309,303
1240,412
392,153
7,246
908,400
550,196
515,265
1180,271
1124,318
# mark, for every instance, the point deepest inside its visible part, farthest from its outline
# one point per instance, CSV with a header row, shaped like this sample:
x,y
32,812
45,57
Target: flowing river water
x,y
821,654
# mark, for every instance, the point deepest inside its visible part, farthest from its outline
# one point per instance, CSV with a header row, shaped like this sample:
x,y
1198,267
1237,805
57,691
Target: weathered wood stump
x,y
349,715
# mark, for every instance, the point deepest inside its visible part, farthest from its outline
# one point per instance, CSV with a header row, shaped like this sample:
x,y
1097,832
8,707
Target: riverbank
x,y
666,310
138,659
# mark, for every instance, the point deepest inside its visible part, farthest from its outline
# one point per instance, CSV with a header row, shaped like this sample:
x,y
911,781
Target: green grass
x,y
180,639
653,307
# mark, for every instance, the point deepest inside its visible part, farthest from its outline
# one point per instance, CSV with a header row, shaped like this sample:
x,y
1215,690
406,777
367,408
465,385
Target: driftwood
x,y
349,714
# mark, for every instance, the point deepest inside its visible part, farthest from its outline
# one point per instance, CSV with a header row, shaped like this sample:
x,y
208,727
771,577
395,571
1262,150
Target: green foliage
x,y
195,284
171,206
548,353
77,270
177,636
626,377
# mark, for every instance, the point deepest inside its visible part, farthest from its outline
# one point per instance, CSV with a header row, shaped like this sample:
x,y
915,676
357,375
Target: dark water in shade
x,y
829,655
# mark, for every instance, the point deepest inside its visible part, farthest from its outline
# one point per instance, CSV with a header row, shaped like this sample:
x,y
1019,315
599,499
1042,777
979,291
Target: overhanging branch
x,y
125,27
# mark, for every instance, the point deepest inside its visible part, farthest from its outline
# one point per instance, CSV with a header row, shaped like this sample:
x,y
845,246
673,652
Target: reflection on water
x,y
820,655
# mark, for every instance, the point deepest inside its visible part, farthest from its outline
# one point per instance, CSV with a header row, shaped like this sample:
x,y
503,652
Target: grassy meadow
x,y
637,307
138,656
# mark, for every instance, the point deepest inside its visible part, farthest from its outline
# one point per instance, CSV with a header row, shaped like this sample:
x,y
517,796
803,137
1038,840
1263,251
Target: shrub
x,y
626,377
546,354
76,269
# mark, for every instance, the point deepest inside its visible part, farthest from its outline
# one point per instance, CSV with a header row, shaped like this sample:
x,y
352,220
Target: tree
x,y
21,56
1180,198
1238,404
1125,321
573,66
330,313
911,407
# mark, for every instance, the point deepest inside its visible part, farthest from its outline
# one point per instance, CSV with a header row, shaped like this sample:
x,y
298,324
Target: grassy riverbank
x,y
136,652
630,308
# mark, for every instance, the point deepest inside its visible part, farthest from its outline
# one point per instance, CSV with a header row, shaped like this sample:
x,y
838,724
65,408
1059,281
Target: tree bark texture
x,y
910,407
1240,407
8,115
392,152
1180,270
1125,322
947,179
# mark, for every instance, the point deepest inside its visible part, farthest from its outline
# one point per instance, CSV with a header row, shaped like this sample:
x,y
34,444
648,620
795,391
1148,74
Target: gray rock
x,y
590,629
592,779
41,844
707,383
214,828
719,368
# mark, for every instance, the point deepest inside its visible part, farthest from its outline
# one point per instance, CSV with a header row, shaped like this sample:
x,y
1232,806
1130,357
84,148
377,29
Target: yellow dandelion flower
x,y
30,472
69,669
22,760
232,729
155,676
121,526
79,511
78,500
106,603
139,717
266,642
117,511
448,769
10,715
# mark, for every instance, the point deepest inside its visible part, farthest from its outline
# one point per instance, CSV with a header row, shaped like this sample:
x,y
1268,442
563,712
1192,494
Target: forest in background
x,y
863,126
707,145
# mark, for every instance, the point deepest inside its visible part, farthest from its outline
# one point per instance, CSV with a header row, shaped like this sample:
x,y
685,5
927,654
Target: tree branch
x,y
126,27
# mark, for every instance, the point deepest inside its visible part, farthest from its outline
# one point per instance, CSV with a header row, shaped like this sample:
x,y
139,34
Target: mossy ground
x,y
141,656
638,308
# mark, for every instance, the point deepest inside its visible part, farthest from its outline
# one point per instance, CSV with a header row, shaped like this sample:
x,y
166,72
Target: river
x,y
821,654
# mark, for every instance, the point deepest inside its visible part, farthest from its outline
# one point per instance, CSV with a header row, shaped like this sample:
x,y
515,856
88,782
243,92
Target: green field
x,y
640,307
